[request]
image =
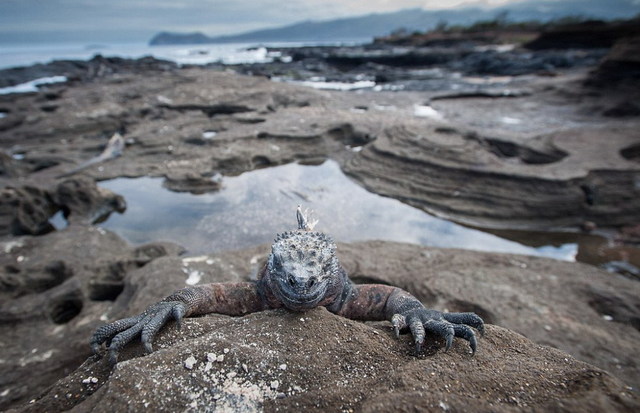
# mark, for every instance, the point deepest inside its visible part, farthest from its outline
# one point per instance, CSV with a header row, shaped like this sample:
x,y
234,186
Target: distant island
x,y
364,28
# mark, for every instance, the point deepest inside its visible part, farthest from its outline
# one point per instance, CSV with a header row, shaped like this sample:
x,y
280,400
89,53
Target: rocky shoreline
x,y
549,148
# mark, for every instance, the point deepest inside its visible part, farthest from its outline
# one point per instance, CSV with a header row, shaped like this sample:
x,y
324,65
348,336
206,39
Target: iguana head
x,y
302,265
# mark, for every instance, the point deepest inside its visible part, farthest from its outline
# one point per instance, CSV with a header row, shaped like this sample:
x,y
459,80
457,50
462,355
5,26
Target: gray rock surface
x,y
281,361
576,308
528,159
545,157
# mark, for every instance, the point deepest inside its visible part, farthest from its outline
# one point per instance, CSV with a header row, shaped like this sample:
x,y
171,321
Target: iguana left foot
x,y
418,320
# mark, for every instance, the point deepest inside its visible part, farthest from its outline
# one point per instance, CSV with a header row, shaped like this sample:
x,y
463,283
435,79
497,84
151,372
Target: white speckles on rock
x,y
211,357
194,277
190,362
90,380
274,384
282,366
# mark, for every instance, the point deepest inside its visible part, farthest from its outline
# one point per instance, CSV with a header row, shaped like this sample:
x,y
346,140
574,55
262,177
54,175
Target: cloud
x,y
138,20
215,17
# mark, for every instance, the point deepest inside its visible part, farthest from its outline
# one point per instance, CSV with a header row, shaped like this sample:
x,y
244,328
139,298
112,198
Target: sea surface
x,y
16,55
253,207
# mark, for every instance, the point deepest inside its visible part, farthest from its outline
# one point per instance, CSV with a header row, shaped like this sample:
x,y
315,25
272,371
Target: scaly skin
x,y
302,272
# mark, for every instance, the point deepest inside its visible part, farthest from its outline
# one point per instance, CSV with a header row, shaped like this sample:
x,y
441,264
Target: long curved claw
x,y
399,322
119,333
466,333
442,328
470,319
106,332
417,330
152,326
411,313
121,340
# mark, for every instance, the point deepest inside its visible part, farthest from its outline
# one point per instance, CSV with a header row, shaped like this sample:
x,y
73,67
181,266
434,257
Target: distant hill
x,y
366,27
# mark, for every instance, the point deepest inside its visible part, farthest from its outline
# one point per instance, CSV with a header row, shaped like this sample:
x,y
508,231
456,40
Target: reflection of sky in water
x,y
253,207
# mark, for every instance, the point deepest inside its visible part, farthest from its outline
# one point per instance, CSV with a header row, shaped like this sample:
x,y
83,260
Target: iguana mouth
x,y
296,301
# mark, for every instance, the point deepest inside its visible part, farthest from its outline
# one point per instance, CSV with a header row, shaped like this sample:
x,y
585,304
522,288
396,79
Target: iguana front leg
x,y
223,298
382,302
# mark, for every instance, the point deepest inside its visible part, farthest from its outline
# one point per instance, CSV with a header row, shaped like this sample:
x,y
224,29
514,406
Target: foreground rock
x,y
67,283
53,291
316,361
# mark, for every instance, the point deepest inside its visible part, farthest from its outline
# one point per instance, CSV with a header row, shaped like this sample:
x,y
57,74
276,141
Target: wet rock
x,y
426,169
83,201
584,35
97,67
193,183
621,65
25,210
623,110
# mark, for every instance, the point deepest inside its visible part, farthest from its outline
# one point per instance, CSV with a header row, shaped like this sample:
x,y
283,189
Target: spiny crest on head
x,y
304,242
303,222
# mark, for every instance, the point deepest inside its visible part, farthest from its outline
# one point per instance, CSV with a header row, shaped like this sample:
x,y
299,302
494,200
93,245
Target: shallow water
x,y
253,207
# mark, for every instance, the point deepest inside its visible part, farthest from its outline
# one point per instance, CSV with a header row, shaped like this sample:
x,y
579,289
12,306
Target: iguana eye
x,y
276,263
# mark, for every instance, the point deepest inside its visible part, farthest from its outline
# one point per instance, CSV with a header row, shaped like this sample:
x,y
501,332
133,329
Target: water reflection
x,y
252,207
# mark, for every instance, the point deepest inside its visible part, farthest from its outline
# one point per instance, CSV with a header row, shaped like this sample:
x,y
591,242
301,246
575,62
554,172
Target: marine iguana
x,y
302,272
114,149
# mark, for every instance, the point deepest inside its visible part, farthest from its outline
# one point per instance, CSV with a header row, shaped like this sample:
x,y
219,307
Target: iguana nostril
x,y
311,282
292,280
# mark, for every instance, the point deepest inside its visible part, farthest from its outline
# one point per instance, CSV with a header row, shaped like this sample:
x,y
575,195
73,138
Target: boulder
x,y
621,65
26,210
575,308
54,289
317,361
587,34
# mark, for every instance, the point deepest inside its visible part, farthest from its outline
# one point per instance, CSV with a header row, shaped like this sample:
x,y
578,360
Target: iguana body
x,y
302,272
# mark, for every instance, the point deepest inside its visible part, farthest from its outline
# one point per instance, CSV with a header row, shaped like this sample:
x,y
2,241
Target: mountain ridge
x,y
365,27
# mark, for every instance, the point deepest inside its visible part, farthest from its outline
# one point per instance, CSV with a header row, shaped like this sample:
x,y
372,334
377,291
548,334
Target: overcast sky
x,y
138,20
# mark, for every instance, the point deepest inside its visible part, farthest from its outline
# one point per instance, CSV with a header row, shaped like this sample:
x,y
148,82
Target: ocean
x,y
15,55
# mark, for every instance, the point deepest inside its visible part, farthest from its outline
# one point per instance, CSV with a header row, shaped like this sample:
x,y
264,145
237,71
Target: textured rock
x,y
53,291
621,65
512,184
354,366
588,34
72,288
27,210
540,159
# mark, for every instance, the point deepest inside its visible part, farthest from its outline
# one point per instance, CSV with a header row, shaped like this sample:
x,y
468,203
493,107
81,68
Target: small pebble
x,y
190,362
